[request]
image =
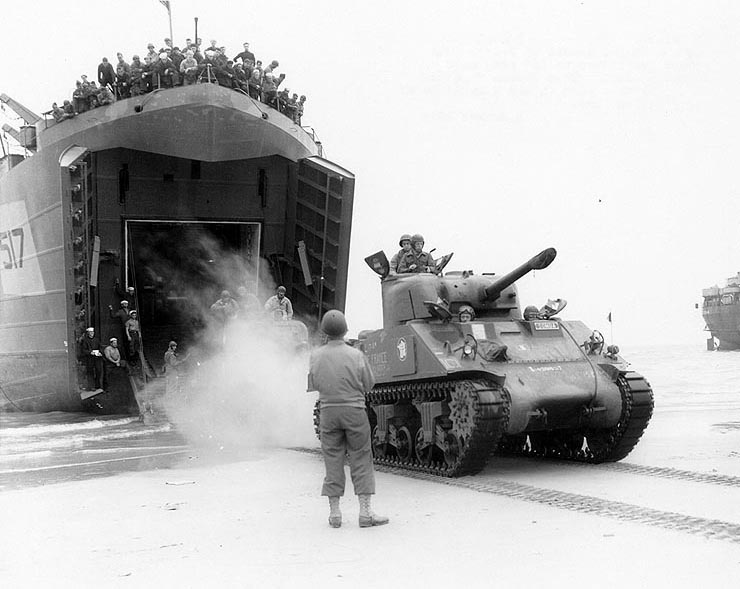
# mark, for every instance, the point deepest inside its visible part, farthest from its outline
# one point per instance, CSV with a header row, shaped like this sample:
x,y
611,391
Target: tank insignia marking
x,y
546,369
402,349
546,326
451,363
479,330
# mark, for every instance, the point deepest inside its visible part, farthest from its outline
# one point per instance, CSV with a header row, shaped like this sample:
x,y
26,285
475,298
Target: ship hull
x,y
138,194
723,322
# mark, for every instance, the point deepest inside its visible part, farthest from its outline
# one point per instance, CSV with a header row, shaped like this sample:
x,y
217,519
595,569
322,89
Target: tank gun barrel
x,y
538,262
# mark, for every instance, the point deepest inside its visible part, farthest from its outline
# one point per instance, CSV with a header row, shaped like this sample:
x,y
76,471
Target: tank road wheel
x,y
405,444
422,449
379,448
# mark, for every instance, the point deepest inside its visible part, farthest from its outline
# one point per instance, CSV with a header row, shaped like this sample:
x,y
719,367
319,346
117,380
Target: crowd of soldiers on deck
x,y
171,67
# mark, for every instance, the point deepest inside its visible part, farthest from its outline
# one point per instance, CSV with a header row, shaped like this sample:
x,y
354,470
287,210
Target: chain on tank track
x,y
601,445
476,412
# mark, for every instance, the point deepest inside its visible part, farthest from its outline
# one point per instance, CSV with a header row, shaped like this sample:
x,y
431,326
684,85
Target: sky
x,y
608,130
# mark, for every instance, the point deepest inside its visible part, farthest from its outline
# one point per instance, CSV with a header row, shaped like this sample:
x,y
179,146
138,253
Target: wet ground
x,y
45,448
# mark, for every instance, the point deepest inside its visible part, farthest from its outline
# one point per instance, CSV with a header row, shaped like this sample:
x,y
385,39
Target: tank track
x,y
472,418
594,445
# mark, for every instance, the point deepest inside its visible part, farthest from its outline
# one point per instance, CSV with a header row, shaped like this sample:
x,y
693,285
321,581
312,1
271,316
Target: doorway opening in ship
x,y
178,270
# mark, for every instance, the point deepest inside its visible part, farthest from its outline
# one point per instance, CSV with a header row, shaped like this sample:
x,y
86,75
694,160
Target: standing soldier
x,y
279,306
172,372
342,375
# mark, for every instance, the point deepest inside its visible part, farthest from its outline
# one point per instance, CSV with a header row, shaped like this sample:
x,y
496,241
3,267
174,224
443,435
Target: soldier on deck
x,y
92,358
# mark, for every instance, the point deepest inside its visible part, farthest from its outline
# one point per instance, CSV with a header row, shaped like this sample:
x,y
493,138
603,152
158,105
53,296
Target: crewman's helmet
x,y
281,289
416,237
404,237
124,303
466,309
531,313
334,324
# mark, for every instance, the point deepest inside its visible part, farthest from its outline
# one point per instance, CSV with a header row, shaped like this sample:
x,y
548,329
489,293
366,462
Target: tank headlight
x,y
467,350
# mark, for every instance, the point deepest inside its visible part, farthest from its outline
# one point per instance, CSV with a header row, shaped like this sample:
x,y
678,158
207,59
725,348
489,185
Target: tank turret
x,y
407,297
452,388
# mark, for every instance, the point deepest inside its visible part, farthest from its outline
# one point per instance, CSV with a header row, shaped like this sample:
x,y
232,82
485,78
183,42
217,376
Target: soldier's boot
x,y
367,517
335,516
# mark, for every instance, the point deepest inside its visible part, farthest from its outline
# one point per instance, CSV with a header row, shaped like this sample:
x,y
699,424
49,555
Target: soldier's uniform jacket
x,y
422,261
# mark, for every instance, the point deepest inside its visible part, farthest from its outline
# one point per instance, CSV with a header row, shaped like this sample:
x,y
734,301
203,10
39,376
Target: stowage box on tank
x,y
450,393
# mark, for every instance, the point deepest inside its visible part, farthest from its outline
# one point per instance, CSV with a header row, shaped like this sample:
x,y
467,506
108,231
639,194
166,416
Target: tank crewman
x,y
405,243
106,74
92,358
417,260
341,374
466,314
279,306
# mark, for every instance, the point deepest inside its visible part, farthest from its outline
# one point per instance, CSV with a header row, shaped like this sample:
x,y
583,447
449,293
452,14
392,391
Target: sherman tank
x,y
451,392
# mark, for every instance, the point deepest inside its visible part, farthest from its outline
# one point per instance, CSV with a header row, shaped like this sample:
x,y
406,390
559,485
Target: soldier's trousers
x,y
346,431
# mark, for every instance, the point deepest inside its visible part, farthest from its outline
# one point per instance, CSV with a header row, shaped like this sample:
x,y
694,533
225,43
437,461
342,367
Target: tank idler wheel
x,y
379,448
405,444
422,450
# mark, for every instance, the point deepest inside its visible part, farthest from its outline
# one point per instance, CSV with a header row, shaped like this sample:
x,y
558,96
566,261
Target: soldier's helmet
x,y
416,237
404,237
334,324
531,313
466,309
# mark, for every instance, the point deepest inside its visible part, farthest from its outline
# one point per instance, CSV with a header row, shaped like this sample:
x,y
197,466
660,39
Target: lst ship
x,y
166,193
721,312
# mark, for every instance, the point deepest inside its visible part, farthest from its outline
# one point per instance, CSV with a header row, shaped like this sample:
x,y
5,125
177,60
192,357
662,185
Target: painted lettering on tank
x,y
545,368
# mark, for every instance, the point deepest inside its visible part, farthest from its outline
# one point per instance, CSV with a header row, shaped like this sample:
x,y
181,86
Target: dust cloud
x,y
250,395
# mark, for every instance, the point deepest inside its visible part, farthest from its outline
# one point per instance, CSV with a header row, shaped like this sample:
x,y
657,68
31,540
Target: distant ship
x,y
179,194
721,312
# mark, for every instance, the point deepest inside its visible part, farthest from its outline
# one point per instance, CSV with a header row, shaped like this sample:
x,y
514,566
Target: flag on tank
x,y
166,4
609,318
